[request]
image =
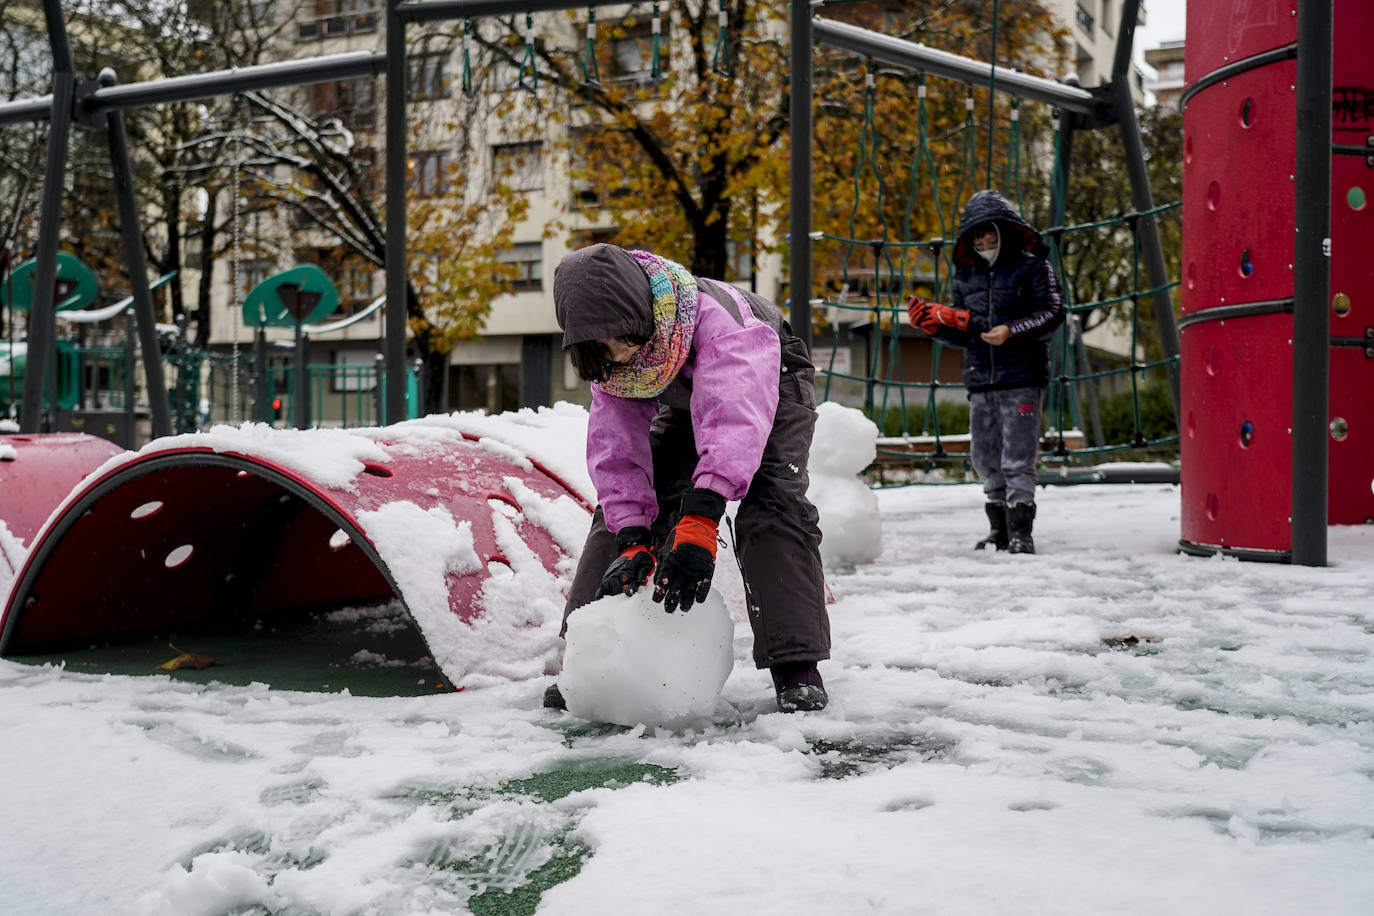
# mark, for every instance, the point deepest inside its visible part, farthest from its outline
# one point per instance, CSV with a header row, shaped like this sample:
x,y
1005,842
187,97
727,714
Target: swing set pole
x,y
964,69
134,253
41,365
1151,248
799,169
1312,285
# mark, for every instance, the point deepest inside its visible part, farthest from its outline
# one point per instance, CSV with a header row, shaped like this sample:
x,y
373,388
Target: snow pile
x,y
12,555
421,548
844,444
628,662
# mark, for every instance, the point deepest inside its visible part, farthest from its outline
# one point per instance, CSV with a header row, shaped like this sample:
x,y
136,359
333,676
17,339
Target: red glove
x,y
916,310
936,316
689,557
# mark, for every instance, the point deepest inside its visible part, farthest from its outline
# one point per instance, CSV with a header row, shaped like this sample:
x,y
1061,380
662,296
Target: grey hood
x,y
601,291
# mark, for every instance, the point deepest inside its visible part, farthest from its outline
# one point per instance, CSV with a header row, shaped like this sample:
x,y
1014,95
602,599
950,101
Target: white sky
x,y
985,751
1165,20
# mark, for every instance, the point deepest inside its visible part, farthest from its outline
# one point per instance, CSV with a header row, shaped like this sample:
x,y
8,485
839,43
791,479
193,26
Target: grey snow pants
x,y
1005,428
776,526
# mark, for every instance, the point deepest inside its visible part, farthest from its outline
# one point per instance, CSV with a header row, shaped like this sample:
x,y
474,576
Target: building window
x,y
528,258
520,165
428,77
338,18
352,370
632,51
353,102
429,173
254,271
1084,20
350,272
492,387
596,154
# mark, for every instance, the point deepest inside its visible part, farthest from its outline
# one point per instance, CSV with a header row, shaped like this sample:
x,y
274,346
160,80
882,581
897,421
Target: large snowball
x,y
844,444
629,662
845,441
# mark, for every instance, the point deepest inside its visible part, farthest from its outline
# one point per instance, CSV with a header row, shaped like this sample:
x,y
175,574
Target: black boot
x,y
997,516
1020,521
799,687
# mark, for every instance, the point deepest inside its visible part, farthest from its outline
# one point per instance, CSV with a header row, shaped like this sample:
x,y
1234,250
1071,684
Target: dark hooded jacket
x,y
1019,289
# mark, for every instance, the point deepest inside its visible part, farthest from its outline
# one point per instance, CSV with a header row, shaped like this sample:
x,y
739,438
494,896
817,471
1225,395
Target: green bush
x,y
953,417
1157,419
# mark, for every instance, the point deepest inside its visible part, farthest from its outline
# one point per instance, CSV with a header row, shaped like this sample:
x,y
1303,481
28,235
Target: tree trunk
x,y
423,338
207,267
710,248
171,197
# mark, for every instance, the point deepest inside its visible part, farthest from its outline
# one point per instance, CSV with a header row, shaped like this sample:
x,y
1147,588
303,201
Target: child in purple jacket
x,y
701,395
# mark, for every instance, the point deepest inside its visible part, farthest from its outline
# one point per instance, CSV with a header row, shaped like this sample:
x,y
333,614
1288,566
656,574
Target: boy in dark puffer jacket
x,y
1007,305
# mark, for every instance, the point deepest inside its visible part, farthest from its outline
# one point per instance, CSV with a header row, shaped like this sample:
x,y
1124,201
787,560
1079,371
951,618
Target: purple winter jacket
x,y
730,385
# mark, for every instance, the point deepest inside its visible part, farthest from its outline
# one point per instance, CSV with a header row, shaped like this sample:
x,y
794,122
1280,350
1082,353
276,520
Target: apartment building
x,y
1093,26
1168,85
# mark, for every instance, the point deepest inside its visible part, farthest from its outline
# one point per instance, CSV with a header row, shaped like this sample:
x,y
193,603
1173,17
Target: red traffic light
x,y
276,403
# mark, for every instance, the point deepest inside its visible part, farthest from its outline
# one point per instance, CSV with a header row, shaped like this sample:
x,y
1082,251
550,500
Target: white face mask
x,y
989,255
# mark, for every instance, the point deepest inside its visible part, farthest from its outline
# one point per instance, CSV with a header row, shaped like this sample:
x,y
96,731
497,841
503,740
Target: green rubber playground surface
x,y
369,651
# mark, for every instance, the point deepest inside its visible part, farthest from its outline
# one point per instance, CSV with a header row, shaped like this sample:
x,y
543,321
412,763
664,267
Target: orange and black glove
x,y
931,316
916,310
635,564
689,556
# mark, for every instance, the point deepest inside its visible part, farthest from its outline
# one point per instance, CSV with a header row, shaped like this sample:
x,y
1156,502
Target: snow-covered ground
x,y
992,746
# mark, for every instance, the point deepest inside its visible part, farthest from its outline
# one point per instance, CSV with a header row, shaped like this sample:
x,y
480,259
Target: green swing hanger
x,y
720,60
469,91
529,70
656,52
591,72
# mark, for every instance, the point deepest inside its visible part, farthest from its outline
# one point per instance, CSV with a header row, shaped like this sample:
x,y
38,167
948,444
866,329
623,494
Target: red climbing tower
x,y
1236,333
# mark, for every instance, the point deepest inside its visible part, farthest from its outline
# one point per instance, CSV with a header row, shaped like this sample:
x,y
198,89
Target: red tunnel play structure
x,y
181,534
1236,336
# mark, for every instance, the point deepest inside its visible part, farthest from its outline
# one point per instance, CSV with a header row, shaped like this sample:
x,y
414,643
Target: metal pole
x,y
137,259
41,362
396,286
448,10
262,410
941,63
799,237
1151,248
1311,283
130,417
1068,126
302,370
214,83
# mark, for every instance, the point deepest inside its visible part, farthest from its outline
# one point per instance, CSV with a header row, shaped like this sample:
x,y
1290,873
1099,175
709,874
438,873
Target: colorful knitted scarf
x,y
674,307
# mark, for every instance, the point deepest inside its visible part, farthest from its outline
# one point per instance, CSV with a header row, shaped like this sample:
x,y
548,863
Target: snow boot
x,y
799,687
997,537
1020,520
553,698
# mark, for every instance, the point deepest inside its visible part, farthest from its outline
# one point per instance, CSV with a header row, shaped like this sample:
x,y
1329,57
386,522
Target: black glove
x,y
689,559
635,564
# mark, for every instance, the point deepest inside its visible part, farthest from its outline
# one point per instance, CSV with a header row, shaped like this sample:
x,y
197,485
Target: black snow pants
x,y
776,525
